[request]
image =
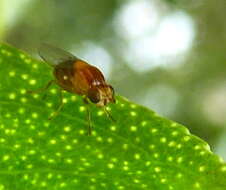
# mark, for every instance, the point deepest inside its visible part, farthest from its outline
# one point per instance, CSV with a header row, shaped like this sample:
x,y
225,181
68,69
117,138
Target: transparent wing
x,y
54,56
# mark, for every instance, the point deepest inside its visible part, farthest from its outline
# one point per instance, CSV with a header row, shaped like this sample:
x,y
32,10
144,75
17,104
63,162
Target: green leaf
x,y
140,151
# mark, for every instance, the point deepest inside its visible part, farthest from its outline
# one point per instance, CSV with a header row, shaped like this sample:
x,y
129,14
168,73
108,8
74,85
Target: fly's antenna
x,y
109,114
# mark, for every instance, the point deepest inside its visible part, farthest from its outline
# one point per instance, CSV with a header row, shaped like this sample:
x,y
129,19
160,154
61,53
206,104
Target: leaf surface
x,y
140,151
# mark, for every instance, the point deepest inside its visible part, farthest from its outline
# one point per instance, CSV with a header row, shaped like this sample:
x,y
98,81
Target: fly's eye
x,y
94,95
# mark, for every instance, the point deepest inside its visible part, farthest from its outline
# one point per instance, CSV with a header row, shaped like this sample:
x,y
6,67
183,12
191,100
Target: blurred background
x,y
168,55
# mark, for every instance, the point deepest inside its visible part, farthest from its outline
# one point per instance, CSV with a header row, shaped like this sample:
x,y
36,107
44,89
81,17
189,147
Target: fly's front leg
x,y
86,101
109,114
54,114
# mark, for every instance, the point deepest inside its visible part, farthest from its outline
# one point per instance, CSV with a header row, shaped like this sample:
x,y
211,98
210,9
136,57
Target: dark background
x,y
167,55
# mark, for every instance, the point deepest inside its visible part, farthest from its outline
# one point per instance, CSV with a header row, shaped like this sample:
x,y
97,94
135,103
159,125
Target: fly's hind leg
x,y
86,101
43,89
46,87
54,114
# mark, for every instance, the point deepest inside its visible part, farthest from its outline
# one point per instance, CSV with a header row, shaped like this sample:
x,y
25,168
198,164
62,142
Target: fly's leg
x,y
88,116
43,89
89,120
54,114
109,115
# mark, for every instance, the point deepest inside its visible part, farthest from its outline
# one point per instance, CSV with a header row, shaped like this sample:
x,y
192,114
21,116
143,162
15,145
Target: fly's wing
x,y
54,56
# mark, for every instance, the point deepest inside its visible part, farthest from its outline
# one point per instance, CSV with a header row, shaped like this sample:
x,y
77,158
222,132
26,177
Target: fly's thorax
x,y
101,95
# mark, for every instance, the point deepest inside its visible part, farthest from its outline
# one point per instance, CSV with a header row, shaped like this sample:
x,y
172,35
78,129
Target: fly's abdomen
x,y
64,78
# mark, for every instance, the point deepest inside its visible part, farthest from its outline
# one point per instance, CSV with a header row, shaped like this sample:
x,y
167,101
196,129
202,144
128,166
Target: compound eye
x,y
94,95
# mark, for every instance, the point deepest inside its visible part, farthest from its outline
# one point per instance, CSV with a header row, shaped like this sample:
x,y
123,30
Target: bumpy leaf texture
x,y
140,151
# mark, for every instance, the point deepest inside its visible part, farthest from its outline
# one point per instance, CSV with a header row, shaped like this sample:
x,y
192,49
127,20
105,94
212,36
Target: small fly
x,y
78,77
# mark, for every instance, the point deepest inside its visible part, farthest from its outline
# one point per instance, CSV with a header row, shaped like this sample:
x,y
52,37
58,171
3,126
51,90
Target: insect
x,y
77,76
